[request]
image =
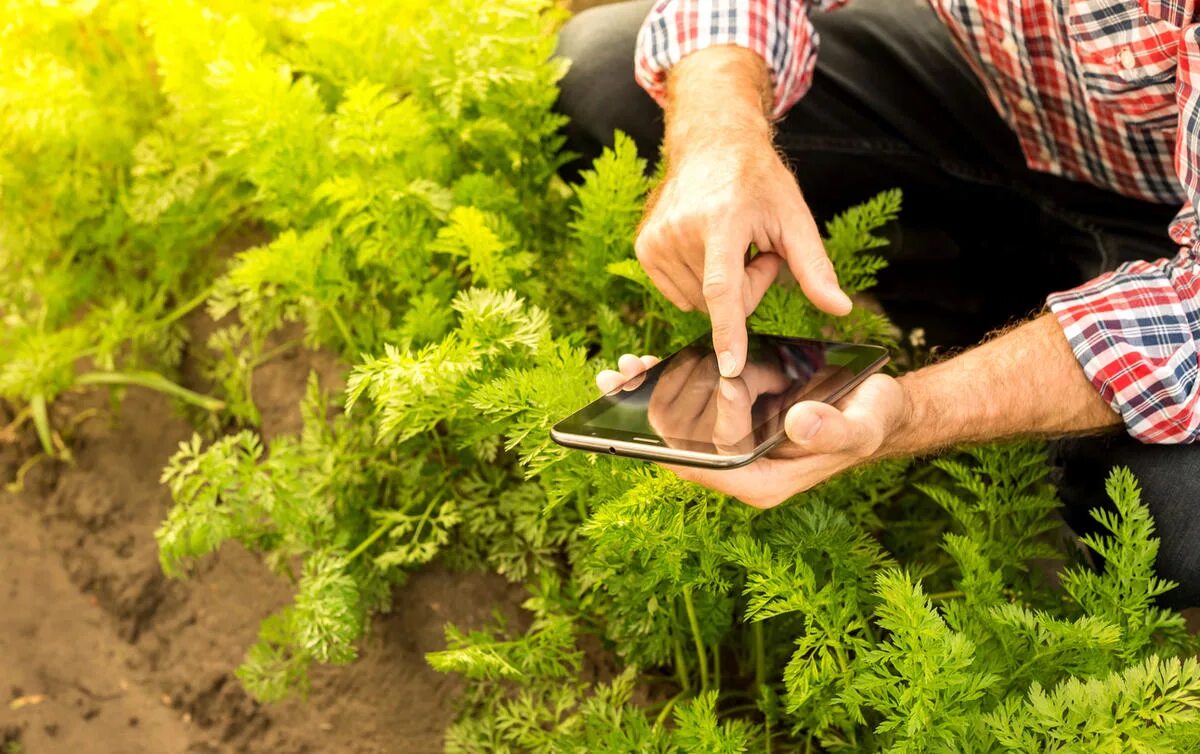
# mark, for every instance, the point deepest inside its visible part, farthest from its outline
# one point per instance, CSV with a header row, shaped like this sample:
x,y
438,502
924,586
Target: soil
x,y
100,653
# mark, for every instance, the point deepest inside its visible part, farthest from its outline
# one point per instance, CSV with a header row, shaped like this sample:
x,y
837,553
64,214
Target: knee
x,y
599,43
603,35
598,94
1177,561
583,34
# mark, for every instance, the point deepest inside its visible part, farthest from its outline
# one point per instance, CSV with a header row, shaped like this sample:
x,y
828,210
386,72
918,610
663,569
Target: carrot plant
x,y
394,168
99,243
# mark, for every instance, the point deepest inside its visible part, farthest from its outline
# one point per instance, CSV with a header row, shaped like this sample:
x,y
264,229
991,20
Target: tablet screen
x,y
683,402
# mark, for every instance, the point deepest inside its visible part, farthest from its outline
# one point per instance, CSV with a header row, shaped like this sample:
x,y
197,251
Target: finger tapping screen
x,y
684,402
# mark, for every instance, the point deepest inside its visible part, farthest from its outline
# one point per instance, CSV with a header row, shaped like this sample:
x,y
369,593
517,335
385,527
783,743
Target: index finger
x,y
724,274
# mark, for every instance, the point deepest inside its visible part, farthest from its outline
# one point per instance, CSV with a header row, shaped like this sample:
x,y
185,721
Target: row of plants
x,y
380,180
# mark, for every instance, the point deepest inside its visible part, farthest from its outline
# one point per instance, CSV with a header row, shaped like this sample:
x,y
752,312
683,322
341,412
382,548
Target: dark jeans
x,y
982,238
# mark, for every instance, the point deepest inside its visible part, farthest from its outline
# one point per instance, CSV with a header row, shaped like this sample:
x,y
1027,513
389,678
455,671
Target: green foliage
x,y
406,179
921,680
1150,706
379,180
88,271
848,243
609,203
1126,590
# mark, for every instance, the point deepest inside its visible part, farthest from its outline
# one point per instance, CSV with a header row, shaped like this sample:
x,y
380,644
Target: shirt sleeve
x,y
1136,330
779,31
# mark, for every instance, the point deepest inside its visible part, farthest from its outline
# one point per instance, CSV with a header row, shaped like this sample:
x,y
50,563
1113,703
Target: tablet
x,y
682,411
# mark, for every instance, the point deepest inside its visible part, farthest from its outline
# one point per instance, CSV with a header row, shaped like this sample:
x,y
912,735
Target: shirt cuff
x,y
778,31
1134,332
1183,227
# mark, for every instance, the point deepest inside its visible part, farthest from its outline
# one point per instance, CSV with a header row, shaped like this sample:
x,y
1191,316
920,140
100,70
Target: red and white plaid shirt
x,y
1102,91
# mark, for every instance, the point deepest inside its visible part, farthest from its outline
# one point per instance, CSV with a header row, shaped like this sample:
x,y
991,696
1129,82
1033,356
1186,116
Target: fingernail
x,y
726,363
809,427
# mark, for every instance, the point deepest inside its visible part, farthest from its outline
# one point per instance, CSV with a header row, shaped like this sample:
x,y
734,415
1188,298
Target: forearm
x,y
718,93
1024,383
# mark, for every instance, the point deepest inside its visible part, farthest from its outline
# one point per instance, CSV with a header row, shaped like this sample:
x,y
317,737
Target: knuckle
x,y
873,441
645,245
722,332
716,286
818,264
694,214
641,247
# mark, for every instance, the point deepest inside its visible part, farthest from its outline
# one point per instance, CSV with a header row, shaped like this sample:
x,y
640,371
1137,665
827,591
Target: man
x,y
1041,144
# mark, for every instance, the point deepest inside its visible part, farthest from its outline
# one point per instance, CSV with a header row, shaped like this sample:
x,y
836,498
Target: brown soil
x,y
100,653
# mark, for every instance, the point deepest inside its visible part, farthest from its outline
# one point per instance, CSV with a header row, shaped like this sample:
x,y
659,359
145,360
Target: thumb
x,y
819,428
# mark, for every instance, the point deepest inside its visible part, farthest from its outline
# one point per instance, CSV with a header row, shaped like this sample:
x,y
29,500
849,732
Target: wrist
x,y
717,97
911,432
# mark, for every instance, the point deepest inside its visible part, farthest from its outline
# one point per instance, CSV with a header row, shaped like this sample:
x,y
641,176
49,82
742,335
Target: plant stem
x,y
341,326
186,306
760,654
716,650
950,595
666,710
840,654
680,666
18,482
282,348
41,421
83,416
425,516
153,381
868,630
437,445
370,540
739,709
701,657
9,430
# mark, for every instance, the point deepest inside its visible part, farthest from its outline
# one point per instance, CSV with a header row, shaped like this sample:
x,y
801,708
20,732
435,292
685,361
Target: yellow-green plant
x,y
379,179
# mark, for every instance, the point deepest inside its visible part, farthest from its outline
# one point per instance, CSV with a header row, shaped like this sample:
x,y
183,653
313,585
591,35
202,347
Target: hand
x,y
823,440
726,188
632,371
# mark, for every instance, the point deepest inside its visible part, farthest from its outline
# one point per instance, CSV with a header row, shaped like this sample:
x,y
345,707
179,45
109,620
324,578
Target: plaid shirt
x,y
1102,91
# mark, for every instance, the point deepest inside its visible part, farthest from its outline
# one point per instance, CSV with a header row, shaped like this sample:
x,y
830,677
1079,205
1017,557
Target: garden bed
x,y
103,654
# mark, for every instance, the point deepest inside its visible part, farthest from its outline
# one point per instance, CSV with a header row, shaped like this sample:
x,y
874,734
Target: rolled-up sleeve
x,y
779,31
1135,333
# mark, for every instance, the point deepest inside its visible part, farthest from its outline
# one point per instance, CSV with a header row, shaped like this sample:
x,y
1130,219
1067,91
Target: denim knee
x,y
598,92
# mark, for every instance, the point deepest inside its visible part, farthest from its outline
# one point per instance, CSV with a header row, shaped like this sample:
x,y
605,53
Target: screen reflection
x,y
686,403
